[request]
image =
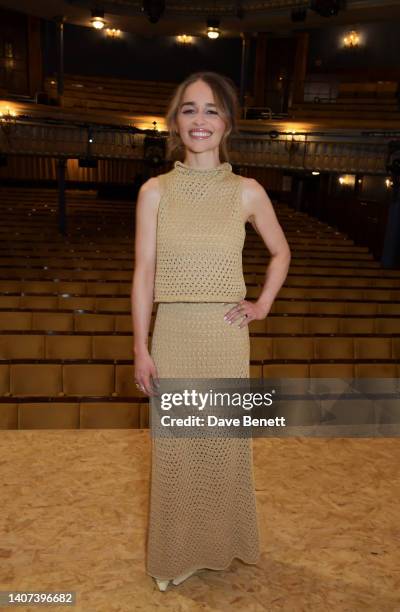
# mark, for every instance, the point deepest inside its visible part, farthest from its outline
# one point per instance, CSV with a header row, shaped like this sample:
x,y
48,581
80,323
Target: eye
x,y
189,110
213,112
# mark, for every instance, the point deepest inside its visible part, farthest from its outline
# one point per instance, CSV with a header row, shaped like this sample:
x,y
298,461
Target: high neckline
x,y
185,169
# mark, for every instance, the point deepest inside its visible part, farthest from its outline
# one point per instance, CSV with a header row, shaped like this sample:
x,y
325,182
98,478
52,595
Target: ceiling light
x,y
97,20
213,30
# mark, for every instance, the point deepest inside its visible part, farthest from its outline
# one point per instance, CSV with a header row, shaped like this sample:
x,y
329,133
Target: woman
x,y
190,230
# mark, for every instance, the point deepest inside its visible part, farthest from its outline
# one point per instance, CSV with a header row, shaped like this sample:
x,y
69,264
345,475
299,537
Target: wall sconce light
x,y
113,33
388,183
9,116
98,22
315,173
184,39
347,180
213,30
291,144
8,120
351,40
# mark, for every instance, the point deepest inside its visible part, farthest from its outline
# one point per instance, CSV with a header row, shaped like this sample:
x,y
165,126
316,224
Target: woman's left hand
x,y
249,311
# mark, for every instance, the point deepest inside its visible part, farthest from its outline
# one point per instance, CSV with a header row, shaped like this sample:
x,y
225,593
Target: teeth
x,y
200,133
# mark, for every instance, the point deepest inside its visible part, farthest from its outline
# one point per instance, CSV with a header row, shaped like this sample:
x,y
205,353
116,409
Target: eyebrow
x,y
194,103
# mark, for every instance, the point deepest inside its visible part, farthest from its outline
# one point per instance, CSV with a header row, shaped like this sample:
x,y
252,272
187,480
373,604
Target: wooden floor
x,y
74,517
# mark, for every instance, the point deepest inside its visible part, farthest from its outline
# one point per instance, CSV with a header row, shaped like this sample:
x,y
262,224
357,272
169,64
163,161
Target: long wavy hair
x,y
226,99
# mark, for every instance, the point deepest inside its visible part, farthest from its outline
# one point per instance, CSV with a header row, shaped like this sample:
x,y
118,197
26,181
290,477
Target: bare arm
x,y
142,292
263,218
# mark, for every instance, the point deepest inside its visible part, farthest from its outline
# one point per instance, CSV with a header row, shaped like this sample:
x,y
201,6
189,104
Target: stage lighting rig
x,y
327,8
154,9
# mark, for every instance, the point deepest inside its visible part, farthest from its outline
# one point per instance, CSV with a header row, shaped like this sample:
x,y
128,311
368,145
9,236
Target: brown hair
x,y
226,99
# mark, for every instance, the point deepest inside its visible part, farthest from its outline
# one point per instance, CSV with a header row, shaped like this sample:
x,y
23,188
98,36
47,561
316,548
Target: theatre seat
x,y
293,348
125,381
106,415
113,347
52,321
93,322
331,370
21,346
88,379
334,348
8,415
123,323
15,321
62,346
285,370
36,379
321,325
373,348
49,415
284,325
260,348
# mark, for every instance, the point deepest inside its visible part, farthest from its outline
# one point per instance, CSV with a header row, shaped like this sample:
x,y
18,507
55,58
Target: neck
x,y
202,161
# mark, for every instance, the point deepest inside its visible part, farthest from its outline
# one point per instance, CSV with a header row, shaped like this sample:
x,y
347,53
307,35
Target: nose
x,y
198,121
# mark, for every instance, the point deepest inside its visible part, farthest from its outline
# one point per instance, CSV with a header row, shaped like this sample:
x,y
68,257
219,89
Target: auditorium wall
x,y
13,52
152,58
376,57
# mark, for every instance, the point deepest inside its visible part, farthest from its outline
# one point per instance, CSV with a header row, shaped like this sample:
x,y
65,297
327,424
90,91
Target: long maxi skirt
x,y
202,511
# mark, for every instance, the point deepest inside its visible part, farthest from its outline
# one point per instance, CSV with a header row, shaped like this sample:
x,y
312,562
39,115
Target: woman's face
x,y
199,121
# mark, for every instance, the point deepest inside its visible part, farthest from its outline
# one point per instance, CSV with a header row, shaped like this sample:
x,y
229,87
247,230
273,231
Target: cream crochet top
x,y
200,236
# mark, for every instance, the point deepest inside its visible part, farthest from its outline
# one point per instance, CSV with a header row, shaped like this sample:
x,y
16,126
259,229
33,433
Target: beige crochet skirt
x,y
202,511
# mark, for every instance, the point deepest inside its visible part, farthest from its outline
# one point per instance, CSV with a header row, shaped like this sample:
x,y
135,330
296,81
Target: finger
x,y
233,312
139,386
246,321
150,388
154,385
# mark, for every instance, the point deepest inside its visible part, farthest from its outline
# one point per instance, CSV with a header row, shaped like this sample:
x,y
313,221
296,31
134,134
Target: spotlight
x,y
326,8
97,20
213,30
154,9
298,15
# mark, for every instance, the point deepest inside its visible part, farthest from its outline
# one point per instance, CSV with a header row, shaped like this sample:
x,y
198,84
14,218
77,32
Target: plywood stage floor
x,y
74,514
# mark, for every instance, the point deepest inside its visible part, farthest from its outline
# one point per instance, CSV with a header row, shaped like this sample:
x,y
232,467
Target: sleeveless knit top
x,y
200,236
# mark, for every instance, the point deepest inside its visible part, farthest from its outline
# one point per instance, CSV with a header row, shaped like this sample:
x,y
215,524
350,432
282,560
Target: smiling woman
x,y
189,241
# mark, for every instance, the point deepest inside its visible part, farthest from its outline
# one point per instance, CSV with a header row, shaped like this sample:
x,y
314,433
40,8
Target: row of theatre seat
x,y
112,94
66,341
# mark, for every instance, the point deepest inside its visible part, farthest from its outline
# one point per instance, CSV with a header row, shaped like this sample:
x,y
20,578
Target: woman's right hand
x,y
146,376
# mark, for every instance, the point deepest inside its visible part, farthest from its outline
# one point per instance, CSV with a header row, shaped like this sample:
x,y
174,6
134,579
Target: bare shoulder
x,y
253,196
150,192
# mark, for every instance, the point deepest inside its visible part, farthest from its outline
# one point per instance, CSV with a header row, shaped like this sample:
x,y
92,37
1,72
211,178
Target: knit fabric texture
x,y
203,509
200,236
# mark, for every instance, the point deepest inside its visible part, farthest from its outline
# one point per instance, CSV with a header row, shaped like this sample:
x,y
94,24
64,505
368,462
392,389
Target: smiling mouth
x,y
200,134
